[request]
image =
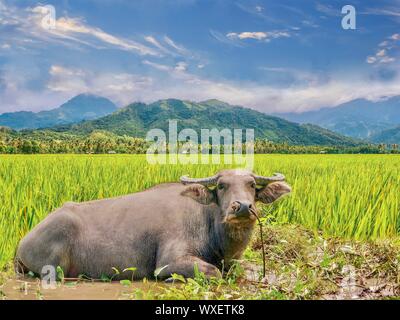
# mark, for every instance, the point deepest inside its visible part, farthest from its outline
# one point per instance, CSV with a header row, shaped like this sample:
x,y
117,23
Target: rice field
x,y
346,196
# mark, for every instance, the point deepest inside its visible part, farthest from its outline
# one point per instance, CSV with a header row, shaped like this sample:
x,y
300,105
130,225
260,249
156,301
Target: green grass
x,y
300,265
346,196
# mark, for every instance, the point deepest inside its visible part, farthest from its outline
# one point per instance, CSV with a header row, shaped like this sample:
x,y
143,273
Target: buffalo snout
x,y
241,209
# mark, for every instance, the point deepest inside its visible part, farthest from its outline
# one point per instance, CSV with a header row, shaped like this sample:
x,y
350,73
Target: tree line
x,y
103,143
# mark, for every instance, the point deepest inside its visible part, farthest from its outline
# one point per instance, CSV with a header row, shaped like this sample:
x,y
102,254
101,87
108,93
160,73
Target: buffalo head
x,y
236,192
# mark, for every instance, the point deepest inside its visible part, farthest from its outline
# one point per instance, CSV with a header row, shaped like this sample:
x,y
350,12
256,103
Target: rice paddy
x,y
345,196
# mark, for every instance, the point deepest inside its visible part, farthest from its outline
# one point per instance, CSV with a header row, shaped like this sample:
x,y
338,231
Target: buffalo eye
x,y
253,185
220,186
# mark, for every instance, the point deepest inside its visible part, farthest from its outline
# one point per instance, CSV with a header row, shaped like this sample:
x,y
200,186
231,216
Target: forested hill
x,y
138,118
387,136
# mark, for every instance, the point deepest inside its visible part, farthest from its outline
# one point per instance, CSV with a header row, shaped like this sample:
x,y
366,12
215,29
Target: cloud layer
x,y
156,66
179,83
35,24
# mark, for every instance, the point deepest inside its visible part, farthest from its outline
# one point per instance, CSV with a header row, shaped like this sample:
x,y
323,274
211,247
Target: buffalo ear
x,y
199,193
272,192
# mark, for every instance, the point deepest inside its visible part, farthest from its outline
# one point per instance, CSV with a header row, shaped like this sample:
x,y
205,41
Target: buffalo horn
x,y
266,180
204,181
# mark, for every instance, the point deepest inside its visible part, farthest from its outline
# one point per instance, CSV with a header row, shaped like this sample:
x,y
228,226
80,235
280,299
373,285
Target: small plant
x,y
125,282
234,273
158,271
116,273
132,270
105,278
178,277
60,274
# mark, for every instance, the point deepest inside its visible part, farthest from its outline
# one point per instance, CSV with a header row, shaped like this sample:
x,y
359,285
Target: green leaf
x,y
116,271
71,283
105,278
130,269
126,282
60,273
158,270
178,277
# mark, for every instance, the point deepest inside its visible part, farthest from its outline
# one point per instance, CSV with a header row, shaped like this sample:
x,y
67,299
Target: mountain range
x,y
376,121
81,107
137,118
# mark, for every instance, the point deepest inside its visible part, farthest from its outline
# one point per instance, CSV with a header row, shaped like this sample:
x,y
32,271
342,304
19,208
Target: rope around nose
x,y
262,241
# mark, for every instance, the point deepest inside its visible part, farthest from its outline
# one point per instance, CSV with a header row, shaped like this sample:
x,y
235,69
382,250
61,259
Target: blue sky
x,y
274,56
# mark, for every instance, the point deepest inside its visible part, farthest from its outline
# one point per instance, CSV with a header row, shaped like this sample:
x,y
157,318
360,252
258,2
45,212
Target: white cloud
x,y
15,93
73,28
158,45
386,50
56,70
247,35
395,36
120,87
387,59
384,43
381,53
181,66
309,23
259,35
67,80
169,47
179,48
158,66
329,10
178,71
224,39
383,11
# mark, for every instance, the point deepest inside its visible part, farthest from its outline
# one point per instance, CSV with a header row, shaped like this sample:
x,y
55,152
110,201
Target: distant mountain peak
x,y
214,102
84,106
358,118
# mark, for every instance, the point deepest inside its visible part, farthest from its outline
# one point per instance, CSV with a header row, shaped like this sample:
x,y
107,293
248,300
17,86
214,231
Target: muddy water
x,y
31,289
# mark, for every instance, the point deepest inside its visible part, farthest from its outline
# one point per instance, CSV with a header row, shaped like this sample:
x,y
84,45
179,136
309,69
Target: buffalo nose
x,y
242,208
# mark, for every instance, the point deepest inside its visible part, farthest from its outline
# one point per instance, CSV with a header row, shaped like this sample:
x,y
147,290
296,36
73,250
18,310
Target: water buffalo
x,y
171,226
